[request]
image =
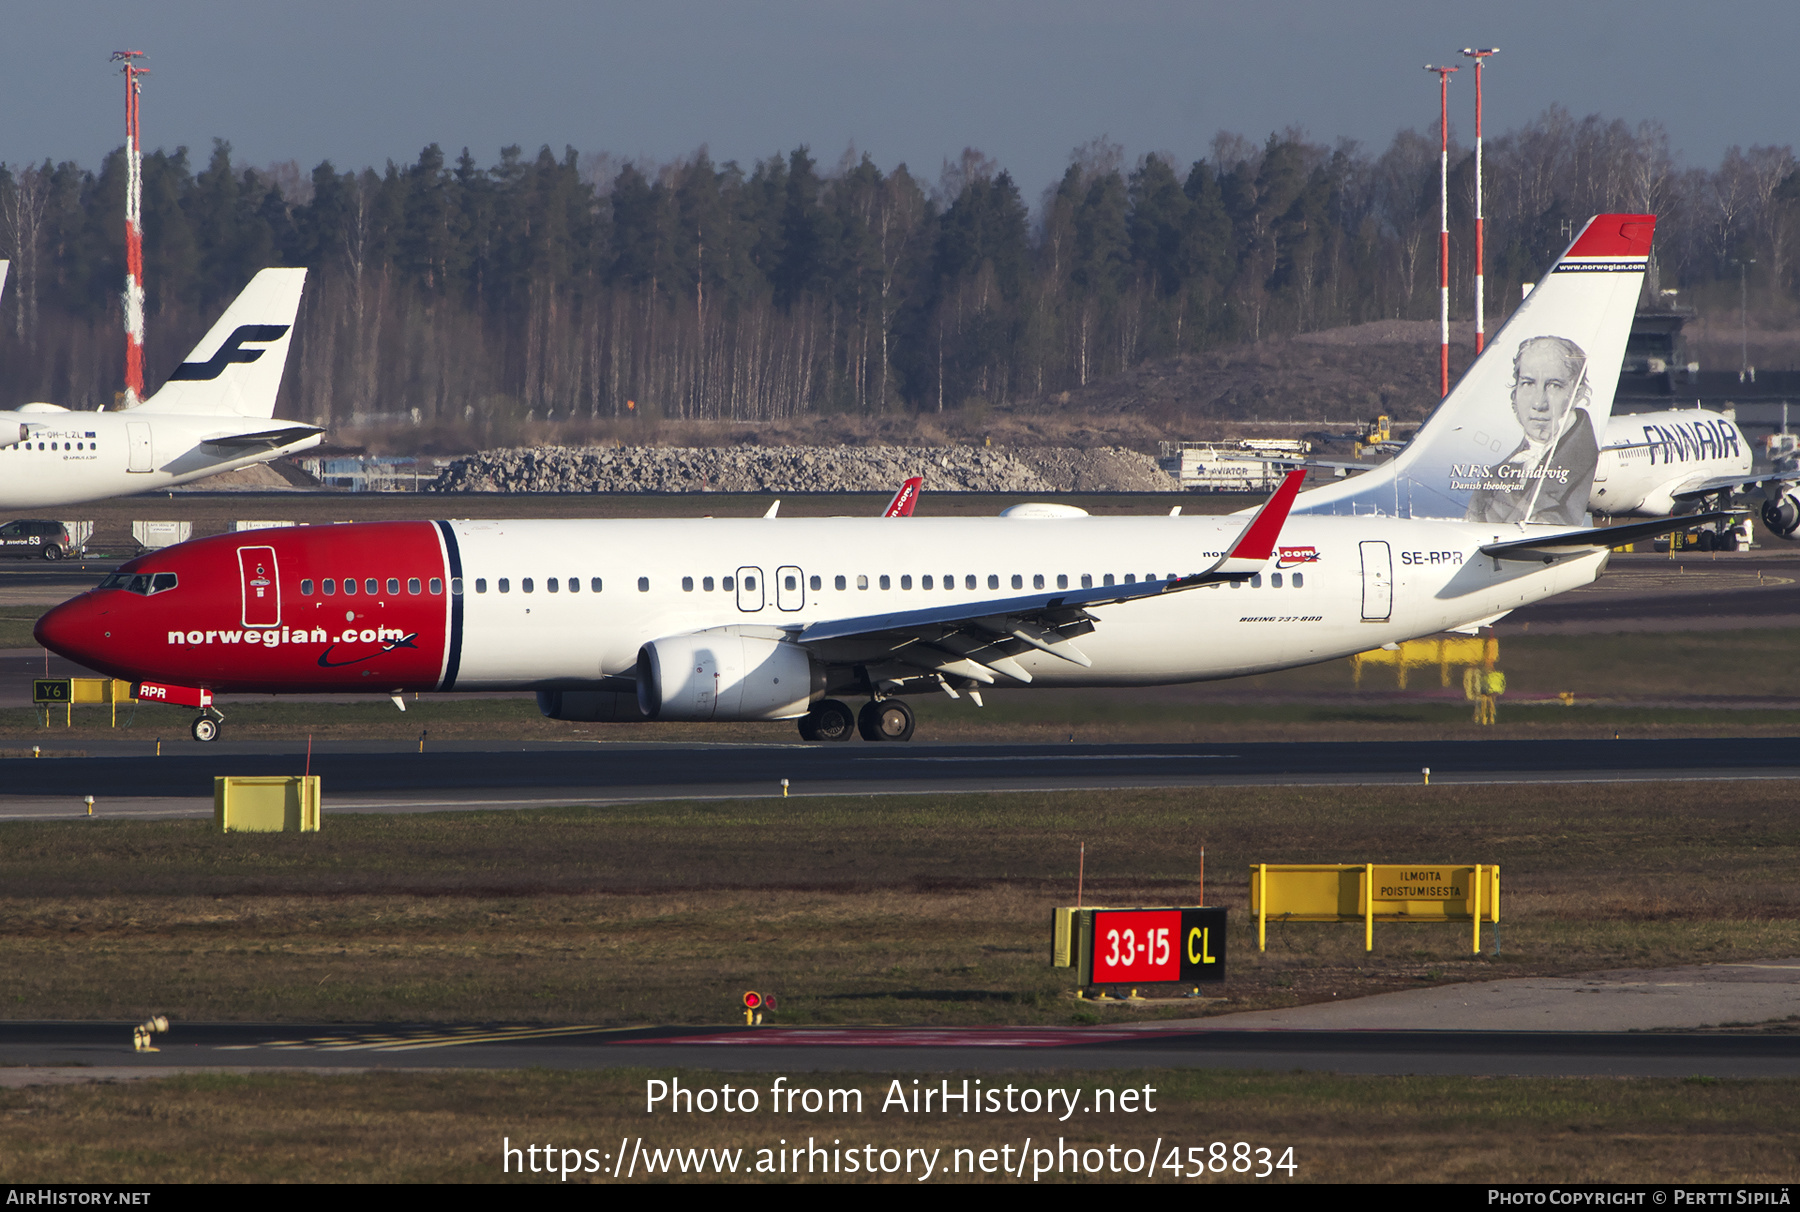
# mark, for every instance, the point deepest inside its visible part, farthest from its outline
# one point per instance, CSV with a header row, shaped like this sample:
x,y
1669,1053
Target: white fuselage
x,y
1649,457
68,457
1346,585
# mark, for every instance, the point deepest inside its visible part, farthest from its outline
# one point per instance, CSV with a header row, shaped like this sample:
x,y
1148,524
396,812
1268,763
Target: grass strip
x,y
449,1127
855,909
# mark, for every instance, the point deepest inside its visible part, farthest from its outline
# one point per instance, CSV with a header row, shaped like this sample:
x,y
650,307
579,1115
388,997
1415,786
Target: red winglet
x,y
904,500
1258,541
1615,236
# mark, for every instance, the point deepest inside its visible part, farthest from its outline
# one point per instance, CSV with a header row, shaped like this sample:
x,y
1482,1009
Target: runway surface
x,y
386,776
107,1047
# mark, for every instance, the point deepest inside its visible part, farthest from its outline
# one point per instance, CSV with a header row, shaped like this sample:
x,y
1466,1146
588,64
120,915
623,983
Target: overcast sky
x,y
360,82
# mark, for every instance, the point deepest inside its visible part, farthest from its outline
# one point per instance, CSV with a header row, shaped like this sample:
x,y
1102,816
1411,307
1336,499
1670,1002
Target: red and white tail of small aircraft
x,y
784,618
214,414
904,500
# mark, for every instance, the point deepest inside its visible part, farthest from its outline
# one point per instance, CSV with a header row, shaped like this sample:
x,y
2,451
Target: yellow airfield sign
x,y
1396,892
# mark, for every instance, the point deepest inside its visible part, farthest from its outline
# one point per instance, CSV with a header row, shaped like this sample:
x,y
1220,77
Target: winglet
x,y
904,500
1257,543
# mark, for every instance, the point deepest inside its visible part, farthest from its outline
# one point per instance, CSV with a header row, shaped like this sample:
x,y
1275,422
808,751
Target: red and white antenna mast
x,y
134,229
1480,246
1443,74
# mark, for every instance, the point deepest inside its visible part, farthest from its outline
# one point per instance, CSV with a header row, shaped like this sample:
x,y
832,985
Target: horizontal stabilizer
x,y
267,439
1599,538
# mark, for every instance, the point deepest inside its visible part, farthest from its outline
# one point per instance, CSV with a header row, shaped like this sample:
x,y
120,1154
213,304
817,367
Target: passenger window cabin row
x,y
372,586
841,582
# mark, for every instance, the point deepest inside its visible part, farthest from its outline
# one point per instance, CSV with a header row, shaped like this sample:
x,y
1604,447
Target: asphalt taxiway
x,y
1650,1023
103,1050
124,778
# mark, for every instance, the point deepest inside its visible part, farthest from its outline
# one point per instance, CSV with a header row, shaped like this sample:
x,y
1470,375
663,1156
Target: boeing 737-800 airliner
x,y
214,414
782,619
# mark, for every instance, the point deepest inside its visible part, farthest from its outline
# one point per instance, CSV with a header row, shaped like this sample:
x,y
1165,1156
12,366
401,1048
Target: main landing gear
x,y
829,720
885,720
879,720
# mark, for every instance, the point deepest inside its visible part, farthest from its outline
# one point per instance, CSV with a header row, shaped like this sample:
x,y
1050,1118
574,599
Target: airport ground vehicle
x,y
37,539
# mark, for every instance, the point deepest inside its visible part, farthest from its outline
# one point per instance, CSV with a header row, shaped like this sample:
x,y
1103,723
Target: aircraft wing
x,y
1579,542
979,639
1705,488
267,439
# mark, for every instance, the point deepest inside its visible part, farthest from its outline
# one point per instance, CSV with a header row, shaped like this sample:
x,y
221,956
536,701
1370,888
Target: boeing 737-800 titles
x,y
782,619
214,414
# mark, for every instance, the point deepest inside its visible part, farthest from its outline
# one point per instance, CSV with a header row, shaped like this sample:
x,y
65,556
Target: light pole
x,y
1443,74
134,229
1743,264
1480,257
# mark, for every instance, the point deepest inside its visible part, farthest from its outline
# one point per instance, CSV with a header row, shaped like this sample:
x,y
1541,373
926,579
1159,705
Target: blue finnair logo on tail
x,y
231,352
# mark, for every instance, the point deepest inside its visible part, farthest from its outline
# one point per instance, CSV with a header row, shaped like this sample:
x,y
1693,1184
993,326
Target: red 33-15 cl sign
x,y
1147,945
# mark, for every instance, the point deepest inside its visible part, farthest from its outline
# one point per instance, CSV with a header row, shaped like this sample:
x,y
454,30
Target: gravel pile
x,y
802,469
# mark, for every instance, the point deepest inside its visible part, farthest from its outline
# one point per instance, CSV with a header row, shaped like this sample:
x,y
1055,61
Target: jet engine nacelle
x,y
1781,514
590,706
725,675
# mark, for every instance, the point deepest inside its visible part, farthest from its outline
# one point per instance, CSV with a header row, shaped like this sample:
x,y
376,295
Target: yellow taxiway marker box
x,y
266,803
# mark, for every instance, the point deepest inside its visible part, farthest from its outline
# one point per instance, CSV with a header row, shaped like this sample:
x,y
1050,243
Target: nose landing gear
x,y
206,727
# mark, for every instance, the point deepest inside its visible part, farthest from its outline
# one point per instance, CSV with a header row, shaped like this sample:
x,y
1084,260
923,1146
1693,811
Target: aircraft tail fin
x,y
904,500
1517,439
236,369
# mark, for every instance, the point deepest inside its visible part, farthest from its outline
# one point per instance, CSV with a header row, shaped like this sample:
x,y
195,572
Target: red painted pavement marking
x,y
909,1038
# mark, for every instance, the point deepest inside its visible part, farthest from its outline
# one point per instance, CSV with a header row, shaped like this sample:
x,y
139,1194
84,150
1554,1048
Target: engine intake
x,y
1782,514
723,675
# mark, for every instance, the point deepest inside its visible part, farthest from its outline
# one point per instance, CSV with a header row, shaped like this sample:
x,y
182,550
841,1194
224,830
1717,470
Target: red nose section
x,y
355,607
78,631
63,629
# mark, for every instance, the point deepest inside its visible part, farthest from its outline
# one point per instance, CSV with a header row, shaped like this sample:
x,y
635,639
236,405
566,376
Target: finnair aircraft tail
x,y
235,371
1517,440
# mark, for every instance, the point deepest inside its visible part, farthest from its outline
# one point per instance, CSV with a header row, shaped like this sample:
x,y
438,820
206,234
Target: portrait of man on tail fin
x,y
1548,475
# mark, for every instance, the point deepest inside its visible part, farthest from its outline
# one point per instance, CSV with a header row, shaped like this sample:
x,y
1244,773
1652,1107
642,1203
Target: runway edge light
x,y
142,1033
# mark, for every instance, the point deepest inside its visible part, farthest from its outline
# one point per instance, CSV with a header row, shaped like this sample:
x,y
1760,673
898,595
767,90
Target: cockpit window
x,y
143,583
